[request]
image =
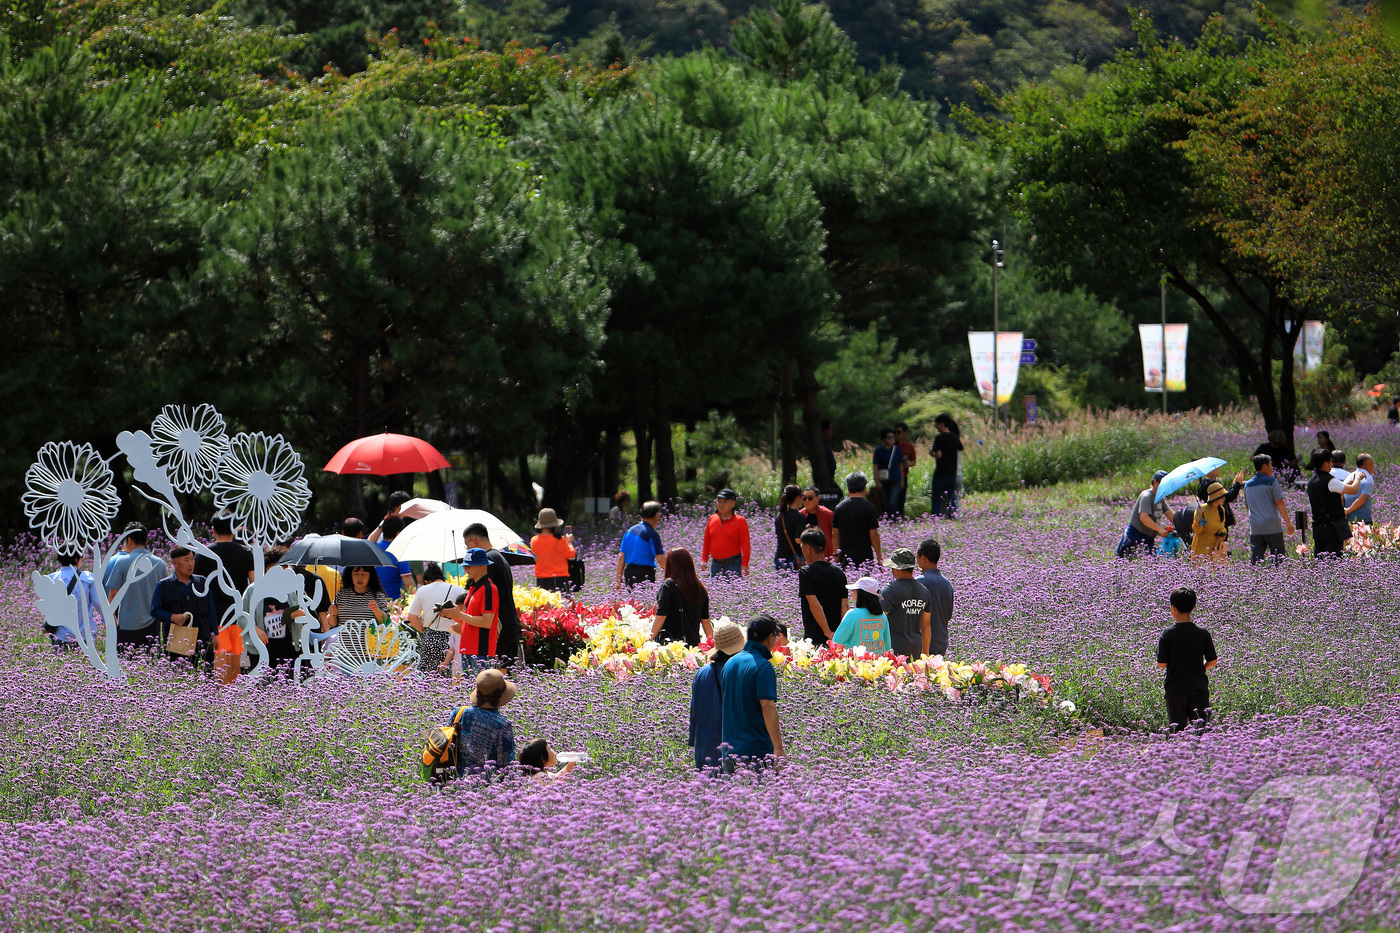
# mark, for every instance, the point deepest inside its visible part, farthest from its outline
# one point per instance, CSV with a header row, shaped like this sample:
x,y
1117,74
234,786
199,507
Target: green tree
x,y
1104,183
392,273
102,197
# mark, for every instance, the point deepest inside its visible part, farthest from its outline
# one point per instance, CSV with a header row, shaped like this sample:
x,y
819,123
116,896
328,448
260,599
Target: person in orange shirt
x,y
818,516
726,542
553,551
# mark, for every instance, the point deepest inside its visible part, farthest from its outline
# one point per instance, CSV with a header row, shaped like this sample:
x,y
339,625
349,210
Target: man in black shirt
x,y
821,588
499,573
238,564
1186,653
856,526
947,444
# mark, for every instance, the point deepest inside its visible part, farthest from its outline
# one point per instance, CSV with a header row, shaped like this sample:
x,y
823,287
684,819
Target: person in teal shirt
x,y
865,624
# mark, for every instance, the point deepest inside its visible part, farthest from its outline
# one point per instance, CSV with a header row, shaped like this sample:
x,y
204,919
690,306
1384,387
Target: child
x,y
1186,653
537,758
865,623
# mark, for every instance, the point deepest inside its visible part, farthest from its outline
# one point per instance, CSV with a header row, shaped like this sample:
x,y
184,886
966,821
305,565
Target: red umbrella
x,y
384,454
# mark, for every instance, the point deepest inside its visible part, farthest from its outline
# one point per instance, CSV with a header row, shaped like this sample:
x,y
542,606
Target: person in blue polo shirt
x,y
749,699
641,551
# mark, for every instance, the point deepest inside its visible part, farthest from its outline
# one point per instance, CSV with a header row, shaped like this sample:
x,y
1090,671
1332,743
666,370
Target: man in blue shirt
x,y
135,624
750,699
393,579
641,549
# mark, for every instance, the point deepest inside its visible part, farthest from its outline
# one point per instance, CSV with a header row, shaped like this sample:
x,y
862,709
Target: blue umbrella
x,y
1186,474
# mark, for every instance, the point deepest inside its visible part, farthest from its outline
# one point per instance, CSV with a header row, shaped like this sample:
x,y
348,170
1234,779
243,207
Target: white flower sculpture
x,y
189,443
262,482
70,499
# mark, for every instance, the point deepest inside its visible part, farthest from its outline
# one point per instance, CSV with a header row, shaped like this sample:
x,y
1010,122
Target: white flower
x,y
189,444
1068,707
262,483
70,499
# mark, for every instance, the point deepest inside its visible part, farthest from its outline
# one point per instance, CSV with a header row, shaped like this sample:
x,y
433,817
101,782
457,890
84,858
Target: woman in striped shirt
x,y
361,603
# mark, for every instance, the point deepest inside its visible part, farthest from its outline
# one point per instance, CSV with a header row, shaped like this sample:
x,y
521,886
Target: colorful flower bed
x,y
620,645
1374,540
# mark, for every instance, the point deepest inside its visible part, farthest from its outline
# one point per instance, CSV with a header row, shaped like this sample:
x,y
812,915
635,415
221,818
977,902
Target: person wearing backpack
x,y
479,740
82,586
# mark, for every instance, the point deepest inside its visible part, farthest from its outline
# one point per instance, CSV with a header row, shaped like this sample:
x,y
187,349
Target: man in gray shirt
x,y
1268,516
135,624
1145,522
940,594
906,606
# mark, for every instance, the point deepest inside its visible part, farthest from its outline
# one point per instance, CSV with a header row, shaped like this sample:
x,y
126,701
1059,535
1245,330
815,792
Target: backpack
x,y
439,759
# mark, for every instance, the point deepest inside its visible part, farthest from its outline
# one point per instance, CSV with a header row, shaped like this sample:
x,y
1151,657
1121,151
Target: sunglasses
x,y
809,498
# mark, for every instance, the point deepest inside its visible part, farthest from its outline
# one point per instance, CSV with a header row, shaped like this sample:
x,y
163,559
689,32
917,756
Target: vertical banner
x,y
1176,357
1152,375
1307,348
1008,351
1152,356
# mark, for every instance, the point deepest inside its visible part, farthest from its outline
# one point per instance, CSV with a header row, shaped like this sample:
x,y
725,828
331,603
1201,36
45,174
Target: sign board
x,y
1030,409
1027,359
1008,362
450,493
1027,344
1151,337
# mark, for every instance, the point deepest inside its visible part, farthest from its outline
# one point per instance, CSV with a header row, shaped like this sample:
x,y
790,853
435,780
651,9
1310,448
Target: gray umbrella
x,y
338,551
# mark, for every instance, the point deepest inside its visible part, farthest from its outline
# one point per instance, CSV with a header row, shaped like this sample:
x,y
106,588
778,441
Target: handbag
x,y
181,640
577,572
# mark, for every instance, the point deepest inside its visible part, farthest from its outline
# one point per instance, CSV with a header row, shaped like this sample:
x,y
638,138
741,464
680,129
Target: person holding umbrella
x,y
1145,521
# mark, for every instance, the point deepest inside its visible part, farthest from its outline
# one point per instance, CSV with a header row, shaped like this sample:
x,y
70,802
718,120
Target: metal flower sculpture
x,y
365,648
262,483
189,444
70,498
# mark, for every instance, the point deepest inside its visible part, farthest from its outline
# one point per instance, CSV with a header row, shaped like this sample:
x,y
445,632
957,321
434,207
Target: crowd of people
x,y
1338,498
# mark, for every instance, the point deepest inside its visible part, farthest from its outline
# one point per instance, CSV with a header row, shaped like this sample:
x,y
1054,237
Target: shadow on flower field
x,y
169,804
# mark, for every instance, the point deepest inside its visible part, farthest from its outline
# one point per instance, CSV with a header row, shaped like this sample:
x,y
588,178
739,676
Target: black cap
x,y
726,493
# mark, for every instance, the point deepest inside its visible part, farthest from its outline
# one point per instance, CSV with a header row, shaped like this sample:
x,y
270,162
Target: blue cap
x,y
1159,476
476,557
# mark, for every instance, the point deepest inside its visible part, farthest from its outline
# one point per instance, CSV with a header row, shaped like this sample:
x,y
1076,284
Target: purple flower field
x,y
169,804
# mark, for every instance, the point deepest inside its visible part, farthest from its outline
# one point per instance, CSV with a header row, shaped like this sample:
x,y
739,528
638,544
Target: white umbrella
x,y
439,536
420,508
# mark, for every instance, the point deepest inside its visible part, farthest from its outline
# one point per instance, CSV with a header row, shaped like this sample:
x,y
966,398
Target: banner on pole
x,y
1151,336
1307,350
1008,350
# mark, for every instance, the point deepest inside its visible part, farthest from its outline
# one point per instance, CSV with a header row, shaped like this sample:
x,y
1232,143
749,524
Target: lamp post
x,y
1164,346
998,260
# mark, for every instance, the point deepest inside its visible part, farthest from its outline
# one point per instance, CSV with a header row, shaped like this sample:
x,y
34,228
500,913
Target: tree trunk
x,y
665,455
437,486
612,462
527,482
812,427
643,441
355,496
786,426
511,500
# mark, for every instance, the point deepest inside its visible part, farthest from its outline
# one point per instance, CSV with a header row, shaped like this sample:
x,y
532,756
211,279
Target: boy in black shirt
x,y
1186,653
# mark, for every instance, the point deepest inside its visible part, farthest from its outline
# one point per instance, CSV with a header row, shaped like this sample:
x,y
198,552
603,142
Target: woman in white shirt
x,y
425,614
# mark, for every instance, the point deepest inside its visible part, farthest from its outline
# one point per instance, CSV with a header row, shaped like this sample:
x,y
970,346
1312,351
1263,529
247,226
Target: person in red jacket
x,y
818,516
726,542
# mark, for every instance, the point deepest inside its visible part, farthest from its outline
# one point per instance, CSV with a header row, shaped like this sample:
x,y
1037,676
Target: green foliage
x,y
388,267
1045,461
338,31
794,41
103,195
1325,391
862,385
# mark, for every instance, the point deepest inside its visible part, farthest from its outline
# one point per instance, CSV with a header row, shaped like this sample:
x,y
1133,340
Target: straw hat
x,y
729,638
547,520
492,690
1214,491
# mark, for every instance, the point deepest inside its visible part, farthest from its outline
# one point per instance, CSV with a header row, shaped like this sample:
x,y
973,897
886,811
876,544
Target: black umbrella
x,y
338,551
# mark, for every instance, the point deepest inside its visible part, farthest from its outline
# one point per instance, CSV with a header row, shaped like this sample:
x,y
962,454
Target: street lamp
x,y
998,260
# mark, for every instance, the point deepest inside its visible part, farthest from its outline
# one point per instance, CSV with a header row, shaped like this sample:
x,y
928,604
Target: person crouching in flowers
x,y
865,624
706,716
1208,541
485,737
